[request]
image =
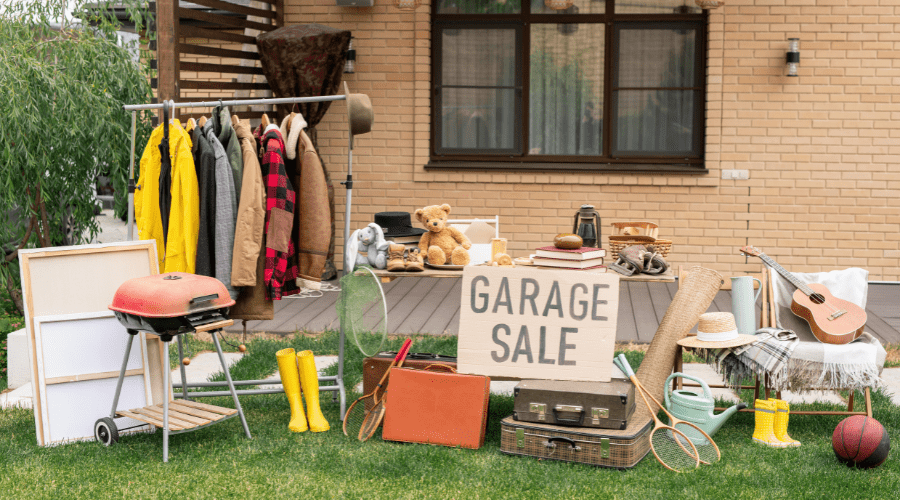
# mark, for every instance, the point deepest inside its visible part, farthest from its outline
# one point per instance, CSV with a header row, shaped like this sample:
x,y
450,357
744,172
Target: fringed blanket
x,y
800,366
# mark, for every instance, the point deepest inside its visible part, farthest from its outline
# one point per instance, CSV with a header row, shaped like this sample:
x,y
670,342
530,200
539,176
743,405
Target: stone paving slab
x,y
891,377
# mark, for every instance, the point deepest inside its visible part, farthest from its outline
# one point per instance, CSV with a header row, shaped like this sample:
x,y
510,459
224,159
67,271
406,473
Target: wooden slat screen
x,y
201,34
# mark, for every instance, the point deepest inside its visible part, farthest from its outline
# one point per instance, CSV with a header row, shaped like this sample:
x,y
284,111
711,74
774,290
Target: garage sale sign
x,y
535,323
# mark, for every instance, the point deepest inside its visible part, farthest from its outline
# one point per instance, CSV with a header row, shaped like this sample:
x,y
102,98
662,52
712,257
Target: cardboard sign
x,y
533,323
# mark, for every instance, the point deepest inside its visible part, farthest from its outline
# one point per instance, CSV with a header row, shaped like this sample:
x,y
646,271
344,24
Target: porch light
x,y
793,56
709,4
559,4
350,65
407,4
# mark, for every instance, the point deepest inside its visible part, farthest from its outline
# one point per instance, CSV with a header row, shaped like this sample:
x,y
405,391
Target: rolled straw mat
x,y
695,293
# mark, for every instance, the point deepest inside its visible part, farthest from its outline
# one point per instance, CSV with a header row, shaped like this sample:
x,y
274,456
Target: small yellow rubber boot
x,y
309,378
765,421
781,423
290,379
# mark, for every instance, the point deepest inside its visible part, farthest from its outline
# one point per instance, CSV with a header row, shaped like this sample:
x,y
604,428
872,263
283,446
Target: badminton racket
x,y
670,446
375,415
707,450
356,413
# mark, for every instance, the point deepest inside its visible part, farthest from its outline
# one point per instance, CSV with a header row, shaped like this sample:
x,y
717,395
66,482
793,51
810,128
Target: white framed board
x,y
83,279
79,357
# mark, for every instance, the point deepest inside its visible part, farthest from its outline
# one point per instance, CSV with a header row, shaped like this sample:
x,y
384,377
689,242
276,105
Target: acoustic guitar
x,y
832,320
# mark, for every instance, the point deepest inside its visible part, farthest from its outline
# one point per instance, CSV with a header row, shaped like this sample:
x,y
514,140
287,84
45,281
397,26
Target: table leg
x,y
237,403
166,386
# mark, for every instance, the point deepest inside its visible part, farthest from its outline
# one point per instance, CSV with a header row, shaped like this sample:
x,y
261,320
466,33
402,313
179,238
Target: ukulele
x,y
832,320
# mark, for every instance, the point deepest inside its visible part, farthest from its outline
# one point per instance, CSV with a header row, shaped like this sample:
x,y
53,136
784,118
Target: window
x,y
601,85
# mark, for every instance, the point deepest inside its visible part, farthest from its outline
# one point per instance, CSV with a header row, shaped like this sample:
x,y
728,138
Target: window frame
x,y
486,160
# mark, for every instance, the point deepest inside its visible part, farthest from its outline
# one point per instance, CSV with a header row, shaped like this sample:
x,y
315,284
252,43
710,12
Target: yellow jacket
x,y
184,216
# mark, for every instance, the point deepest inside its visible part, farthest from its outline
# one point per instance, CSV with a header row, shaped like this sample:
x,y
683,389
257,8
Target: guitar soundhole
x,y
817,298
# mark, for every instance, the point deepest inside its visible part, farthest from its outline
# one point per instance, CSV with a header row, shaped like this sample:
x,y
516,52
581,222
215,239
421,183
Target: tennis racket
x,y
670,446
707,449
356,413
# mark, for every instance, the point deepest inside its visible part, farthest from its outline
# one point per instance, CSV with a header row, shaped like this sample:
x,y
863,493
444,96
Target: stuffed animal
x,y
367,247
442,243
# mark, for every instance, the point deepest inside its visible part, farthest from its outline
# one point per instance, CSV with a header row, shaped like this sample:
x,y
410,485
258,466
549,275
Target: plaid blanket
x,y
768,355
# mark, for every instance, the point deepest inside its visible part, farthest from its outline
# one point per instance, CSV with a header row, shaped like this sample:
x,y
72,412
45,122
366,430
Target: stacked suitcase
x,y
587,422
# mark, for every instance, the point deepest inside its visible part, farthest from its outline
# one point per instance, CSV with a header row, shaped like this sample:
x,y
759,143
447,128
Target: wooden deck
x,y
431,306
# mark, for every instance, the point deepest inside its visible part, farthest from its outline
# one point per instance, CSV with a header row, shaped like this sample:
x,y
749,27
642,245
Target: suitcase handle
x,y
568,409
439,365
551,443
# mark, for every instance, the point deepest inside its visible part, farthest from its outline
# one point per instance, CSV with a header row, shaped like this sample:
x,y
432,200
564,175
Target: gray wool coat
x,y
224,129
226,211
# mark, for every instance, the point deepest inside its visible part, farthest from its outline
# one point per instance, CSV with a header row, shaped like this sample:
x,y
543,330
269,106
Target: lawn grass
x,y
218,462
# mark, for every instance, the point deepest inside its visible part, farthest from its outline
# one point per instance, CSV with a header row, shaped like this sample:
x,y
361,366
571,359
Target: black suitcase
x,y
599,405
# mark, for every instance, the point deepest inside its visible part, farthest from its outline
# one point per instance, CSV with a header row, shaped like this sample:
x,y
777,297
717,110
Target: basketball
x,y
860,441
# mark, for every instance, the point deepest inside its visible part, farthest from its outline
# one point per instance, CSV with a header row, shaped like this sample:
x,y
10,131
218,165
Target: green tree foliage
x,y
63,81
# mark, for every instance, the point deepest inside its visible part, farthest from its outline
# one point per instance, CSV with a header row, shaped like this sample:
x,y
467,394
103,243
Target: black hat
x,y
396,224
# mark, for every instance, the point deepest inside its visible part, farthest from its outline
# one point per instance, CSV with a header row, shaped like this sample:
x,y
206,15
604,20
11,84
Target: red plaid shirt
x,y
280,276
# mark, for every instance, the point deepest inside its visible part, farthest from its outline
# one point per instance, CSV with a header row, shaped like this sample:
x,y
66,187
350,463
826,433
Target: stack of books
x,y
407,241
584,258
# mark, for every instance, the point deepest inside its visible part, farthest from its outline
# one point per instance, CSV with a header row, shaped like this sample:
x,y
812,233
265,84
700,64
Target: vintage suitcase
x,y
604,405
375,366
436,407
620,449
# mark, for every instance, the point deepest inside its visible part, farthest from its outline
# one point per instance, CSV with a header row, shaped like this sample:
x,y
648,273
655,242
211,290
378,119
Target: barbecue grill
x,y
169,305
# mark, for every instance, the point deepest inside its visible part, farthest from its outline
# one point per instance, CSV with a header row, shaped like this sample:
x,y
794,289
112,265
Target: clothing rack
x,y
338,388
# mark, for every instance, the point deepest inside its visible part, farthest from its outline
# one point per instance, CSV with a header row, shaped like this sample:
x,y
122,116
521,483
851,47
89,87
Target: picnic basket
x,y
625,234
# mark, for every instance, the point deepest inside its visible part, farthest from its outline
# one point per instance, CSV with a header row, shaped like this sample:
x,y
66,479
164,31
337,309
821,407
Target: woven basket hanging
x,y
559,4
407,4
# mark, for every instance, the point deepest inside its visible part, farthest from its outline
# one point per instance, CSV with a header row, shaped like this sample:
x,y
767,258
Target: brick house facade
x,y
822,150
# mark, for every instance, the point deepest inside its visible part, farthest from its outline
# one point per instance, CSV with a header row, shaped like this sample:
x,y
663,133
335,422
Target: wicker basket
x,y
635,229
663,247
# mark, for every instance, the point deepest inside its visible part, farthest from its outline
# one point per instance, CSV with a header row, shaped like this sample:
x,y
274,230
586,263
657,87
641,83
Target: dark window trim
x,y
606,163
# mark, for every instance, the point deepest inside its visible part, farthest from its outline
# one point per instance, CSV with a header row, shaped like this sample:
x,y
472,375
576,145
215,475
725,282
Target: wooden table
x,y
387,276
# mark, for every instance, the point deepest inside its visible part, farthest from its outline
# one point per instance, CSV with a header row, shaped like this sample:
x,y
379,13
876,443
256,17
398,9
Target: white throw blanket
x,y
815,365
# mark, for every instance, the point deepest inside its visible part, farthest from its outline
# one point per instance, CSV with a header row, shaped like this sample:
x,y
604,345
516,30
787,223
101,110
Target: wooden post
x,y
166,50
279,13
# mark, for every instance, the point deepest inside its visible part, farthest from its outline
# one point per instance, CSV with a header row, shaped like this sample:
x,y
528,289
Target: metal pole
x,y
181,366
239,102
131,179
112,413
237,403
166,389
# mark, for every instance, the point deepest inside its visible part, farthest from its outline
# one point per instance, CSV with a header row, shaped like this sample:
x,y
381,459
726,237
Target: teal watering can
x,y
696,408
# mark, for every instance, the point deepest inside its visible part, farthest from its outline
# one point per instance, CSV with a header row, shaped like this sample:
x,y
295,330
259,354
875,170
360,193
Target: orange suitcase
x,y
436,407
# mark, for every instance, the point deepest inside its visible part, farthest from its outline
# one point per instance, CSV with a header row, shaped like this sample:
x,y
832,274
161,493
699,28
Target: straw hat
x,y
717,330
359,113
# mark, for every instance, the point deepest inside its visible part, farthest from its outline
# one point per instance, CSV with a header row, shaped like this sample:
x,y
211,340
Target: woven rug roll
x,y
695,293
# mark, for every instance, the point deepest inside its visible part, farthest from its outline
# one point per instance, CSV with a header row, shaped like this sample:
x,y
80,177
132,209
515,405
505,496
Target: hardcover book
x,y
583,253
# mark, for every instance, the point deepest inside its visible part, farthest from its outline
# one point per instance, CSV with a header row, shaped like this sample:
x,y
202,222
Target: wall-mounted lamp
x,y
407,4
793,56
350,65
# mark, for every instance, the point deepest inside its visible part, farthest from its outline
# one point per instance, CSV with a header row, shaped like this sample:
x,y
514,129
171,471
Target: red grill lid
x,y
170,295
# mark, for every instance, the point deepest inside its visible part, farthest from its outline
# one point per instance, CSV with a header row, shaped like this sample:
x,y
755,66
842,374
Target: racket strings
x,y
362,311
706,447
354,418
673,449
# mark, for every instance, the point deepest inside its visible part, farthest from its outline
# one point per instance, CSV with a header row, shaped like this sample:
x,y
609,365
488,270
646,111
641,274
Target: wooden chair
x,y
767,318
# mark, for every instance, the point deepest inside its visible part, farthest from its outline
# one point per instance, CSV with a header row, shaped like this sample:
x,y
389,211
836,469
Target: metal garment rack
x,y
337,388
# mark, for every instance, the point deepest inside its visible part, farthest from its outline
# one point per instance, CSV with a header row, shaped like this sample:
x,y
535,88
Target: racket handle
x,y
626,366
403,350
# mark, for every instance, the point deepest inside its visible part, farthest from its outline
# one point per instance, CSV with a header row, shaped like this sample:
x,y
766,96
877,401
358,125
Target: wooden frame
x,y
767,318
77,280
102,382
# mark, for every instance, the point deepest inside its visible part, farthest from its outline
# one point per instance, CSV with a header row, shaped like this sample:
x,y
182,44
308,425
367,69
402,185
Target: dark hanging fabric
x,y
165,177
304,61
205,163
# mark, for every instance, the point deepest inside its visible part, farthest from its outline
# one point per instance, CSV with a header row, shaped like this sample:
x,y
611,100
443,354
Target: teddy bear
x,y
442,243
371,247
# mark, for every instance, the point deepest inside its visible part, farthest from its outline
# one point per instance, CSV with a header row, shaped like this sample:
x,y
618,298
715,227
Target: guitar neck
x,y
787,275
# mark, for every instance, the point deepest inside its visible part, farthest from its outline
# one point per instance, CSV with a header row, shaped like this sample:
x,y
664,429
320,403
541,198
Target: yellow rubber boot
x,y
765,421
309,378
290,379
783,410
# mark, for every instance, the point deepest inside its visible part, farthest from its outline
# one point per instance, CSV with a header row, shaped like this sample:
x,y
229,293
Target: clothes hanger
x,y
202,121
265,121
190,124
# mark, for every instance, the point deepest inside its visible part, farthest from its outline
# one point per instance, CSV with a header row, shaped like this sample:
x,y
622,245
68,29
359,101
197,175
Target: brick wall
x,y
822,150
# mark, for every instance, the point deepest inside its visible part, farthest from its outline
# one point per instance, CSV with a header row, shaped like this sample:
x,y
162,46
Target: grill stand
x,y
190,415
